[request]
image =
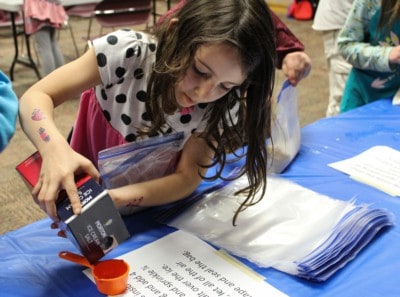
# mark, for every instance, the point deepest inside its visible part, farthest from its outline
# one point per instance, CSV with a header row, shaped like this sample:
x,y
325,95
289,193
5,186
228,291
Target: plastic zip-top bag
x,y
139,161
284,143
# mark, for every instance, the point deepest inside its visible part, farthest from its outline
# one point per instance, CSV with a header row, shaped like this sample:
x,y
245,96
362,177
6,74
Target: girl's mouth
x,y
188,100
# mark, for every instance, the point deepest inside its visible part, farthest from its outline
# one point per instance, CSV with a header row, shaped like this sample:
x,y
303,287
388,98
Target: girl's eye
x,y
225,88
235,89
198,72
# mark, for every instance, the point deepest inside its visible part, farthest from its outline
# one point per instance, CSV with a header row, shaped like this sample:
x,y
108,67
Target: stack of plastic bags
x,y
292,229
354,231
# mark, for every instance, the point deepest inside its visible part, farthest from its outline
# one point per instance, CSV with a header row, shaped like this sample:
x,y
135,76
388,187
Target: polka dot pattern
x,y
125,60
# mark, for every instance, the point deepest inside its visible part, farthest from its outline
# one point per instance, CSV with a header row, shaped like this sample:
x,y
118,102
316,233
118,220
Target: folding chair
x,y
122,13
84,11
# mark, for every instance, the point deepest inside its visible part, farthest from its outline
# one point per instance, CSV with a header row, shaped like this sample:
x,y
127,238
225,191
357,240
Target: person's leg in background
x,y
57,53
338,71
50,54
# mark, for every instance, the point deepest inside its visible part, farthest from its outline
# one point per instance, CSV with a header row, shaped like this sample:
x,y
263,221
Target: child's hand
x,y
296,66
59,167
394,56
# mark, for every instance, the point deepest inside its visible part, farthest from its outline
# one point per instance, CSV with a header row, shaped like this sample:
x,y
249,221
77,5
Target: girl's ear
x,y
172,22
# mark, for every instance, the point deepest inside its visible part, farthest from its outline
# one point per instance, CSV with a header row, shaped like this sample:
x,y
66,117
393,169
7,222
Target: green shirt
x,y
367,48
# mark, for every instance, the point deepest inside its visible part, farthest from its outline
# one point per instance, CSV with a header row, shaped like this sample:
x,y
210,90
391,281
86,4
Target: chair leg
x,y
89,32
73,40
35,50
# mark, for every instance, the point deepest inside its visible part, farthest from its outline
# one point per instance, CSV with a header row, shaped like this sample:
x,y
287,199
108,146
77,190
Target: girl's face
x,y
215,70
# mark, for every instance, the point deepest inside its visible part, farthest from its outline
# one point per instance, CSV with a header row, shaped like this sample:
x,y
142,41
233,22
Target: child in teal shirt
x,y
369,41
8,110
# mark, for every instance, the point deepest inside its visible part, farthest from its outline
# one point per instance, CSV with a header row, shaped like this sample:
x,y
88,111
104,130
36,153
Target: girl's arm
x,y
351,41
60,162
178,185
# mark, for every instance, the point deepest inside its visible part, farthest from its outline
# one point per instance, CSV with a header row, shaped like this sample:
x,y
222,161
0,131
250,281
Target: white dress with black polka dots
x,y
113,113
125,60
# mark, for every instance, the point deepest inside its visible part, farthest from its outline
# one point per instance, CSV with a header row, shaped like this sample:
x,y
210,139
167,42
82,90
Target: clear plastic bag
x,y
139,161
285,133
293,229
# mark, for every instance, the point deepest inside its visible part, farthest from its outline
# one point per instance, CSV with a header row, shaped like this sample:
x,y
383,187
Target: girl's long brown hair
x,y
247,25
390,12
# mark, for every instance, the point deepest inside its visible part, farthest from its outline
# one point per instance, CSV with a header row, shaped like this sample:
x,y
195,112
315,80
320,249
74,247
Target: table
x,y
14,7
31,267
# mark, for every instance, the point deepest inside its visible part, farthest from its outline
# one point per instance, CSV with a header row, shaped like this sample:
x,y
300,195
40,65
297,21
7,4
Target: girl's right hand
x,y
60,165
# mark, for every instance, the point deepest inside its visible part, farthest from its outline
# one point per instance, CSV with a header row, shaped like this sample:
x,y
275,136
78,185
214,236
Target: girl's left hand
x,y
296,66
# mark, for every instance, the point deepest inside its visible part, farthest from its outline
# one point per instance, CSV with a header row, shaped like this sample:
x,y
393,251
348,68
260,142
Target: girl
x,y
42,18
291,58
208,72
370,42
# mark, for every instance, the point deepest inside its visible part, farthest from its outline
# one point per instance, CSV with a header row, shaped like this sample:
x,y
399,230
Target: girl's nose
x,y
204,90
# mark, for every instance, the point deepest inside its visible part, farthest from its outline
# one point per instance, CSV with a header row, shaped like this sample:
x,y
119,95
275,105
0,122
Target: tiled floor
x,y
17,208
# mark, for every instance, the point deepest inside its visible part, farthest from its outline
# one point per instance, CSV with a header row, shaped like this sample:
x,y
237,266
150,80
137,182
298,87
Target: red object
x,y
98,229
301,10
29,170
111,276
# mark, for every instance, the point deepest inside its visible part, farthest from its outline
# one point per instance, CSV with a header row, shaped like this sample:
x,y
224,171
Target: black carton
x,y
99,228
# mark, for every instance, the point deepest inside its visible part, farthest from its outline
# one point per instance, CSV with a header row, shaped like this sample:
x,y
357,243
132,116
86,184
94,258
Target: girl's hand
x,y
60,164
296,66
394,56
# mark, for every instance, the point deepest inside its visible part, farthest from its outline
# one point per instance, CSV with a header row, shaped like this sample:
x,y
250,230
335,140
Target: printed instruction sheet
x,y
181,265
378,167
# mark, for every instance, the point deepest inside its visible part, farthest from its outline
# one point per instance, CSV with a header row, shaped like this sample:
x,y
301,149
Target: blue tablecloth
x,y
29,256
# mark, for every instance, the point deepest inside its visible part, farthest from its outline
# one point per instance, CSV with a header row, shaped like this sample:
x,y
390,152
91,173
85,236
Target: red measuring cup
x,y
111,276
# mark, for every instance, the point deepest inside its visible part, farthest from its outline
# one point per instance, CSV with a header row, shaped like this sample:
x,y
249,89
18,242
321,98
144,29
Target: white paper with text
x,y
182,265
378,167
